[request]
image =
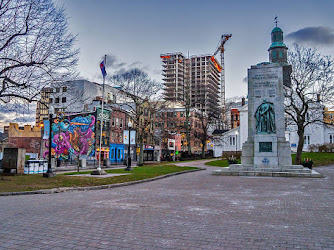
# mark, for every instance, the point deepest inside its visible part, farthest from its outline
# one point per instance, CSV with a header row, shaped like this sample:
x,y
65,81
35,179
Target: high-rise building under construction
x,y
196,78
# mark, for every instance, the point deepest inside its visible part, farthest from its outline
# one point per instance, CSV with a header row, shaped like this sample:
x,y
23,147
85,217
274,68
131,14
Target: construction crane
x,y
221,49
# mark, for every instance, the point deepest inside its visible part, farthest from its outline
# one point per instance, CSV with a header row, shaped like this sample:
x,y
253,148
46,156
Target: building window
x,y
121,123
50,100
64,89
274,55
57,100
330,138
280,54
307,140
232,140
63,99
57,90
117,122
113,122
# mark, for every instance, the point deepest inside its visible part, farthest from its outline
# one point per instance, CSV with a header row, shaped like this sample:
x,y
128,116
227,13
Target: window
x,y
232,140
307,140
117,122
113,122
50,100
330,138
63,99
57,90
274,55
121,123
64,89
280,54
57,100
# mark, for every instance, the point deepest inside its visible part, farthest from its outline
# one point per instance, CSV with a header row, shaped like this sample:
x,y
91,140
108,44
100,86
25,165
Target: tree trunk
x,y
298,158
141,153
203,150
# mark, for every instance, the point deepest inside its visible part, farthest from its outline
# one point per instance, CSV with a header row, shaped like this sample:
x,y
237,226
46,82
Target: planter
x,y
307,165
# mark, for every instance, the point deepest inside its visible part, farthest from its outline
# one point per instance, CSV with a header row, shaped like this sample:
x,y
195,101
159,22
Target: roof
x,y
219,131
276,29
277,44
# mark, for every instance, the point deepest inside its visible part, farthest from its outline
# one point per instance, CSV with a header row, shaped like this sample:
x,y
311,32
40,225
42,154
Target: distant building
x,y
75,96
171,120
329,116
25,137
42,108
196,78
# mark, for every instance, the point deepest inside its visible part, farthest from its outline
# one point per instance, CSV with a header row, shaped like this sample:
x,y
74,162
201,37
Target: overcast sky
x,y
133,33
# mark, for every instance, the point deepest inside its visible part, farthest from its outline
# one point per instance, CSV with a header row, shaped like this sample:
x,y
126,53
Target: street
x,y
189,211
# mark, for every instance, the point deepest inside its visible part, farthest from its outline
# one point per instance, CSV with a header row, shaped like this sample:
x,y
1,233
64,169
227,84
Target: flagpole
x,y
101,124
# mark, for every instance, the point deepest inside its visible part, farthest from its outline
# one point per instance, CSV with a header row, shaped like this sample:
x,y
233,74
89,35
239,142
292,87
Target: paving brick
x,y
190,211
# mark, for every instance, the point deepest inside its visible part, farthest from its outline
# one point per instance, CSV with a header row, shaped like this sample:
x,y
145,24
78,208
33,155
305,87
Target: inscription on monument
x,y
264,85
265,147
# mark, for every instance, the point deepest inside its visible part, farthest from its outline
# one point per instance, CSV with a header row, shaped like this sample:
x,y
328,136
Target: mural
x,y
72,137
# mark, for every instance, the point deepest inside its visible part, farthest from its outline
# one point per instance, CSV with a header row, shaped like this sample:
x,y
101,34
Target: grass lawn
x,y
319,159
219,163
37,181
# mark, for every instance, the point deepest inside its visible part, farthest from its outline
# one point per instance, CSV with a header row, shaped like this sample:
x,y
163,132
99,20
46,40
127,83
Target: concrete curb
x,y
70,189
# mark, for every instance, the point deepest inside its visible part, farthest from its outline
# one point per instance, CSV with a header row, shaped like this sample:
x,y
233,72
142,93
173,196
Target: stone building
x,y
25,137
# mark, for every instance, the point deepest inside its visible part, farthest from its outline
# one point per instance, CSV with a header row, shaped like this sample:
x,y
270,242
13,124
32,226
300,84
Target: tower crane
x,y
221,49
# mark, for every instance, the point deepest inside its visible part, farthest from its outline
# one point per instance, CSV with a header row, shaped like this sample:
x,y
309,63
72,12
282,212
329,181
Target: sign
x,y
132,137
46,129
106,114
148,147
265,147
171,144
293,145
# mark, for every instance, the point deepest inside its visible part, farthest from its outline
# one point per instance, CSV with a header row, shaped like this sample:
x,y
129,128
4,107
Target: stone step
x,y
310,174
302,170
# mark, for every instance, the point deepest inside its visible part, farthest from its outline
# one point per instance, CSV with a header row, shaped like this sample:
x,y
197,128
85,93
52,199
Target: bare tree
x,y
312,86
36,49
141,92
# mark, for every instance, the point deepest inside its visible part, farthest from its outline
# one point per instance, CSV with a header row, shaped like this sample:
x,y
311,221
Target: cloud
x,y
111,61
315,35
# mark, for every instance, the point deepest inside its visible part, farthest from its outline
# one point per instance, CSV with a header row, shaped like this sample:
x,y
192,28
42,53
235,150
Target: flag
x,y
103,68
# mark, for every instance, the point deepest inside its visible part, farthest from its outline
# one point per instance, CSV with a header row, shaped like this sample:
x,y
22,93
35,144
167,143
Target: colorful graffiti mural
x,y
73,136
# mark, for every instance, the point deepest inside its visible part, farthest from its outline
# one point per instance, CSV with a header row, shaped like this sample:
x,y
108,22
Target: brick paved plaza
x,y
189,211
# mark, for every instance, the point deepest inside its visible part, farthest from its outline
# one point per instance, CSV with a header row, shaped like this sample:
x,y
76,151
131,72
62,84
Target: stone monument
x,y
266,151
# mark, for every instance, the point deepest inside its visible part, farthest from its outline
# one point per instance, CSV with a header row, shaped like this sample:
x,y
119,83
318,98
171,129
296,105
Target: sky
x,y
133,33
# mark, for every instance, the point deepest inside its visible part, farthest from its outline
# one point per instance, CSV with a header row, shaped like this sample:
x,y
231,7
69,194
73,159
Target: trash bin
x,y
106,162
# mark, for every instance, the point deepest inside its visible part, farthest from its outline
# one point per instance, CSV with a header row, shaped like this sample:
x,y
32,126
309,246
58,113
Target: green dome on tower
x,y
277,49
277,29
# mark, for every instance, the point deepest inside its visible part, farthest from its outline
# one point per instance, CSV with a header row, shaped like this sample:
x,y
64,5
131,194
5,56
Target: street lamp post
x,y
49,172
128,167
236,141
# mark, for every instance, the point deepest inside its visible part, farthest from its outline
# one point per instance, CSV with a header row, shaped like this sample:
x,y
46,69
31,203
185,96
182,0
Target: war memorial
x,y
266,151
